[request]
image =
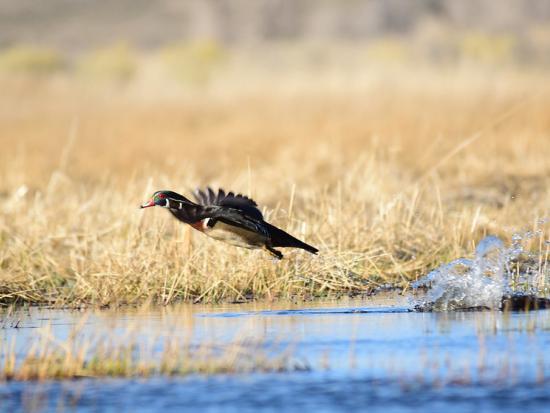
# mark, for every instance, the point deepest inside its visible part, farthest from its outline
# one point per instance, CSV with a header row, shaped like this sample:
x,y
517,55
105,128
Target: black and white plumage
x,y
228,217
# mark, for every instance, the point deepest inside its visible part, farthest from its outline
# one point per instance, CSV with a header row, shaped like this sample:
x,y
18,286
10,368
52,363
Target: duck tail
x,y
280,238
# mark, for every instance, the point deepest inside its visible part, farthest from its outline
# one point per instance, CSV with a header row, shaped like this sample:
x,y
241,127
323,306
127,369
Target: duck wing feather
x,y
231,200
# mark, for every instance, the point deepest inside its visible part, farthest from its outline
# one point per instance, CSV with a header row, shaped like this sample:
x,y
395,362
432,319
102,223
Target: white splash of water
x,y
480,282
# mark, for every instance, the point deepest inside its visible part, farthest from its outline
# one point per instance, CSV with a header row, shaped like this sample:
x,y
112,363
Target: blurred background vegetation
x,y
193,42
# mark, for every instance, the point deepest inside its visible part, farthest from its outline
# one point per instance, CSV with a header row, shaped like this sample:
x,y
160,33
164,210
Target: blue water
x,y
370,355
274,393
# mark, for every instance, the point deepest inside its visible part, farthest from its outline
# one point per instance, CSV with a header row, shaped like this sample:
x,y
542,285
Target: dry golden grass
x,y
388,173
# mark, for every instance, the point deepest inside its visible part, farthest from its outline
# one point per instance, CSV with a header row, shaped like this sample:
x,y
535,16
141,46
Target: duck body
x,y
234,219
233,235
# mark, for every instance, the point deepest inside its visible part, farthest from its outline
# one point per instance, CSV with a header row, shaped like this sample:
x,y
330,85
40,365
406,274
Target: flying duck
x,y
227,217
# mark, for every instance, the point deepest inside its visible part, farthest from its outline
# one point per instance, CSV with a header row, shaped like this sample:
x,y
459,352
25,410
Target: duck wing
x,y
239,202
237,218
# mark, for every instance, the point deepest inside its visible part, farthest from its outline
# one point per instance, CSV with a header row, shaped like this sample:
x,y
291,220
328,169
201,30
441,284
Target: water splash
x,y
481,282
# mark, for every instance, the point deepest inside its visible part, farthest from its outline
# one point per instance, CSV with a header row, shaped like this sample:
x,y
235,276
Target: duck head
x,y
166,199
159,198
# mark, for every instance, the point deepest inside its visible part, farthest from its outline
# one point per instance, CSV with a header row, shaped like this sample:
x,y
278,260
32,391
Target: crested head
x,y
162,198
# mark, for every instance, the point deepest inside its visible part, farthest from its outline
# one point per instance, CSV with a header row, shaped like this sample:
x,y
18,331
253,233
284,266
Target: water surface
x,y
371,354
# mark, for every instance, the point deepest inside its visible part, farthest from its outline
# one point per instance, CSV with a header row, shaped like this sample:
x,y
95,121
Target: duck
x,y
228,217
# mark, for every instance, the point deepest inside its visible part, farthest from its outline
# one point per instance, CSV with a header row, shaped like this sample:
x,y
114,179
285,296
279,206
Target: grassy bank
x,y
389,173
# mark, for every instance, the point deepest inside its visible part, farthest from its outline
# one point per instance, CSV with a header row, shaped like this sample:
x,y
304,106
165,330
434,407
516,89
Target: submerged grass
x,y
388,173
76,359
104,344
132,350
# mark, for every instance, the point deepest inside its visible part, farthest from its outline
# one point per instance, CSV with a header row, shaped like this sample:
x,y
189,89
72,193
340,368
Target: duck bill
x,y
150,203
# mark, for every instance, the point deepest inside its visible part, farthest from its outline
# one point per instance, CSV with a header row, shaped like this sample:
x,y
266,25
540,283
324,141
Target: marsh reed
x,y
388,173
